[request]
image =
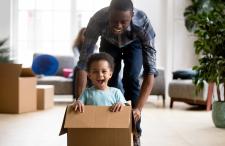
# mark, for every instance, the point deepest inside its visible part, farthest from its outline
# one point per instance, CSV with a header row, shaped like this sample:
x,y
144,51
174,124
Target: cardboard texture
x,y
17,89
45,96
97,126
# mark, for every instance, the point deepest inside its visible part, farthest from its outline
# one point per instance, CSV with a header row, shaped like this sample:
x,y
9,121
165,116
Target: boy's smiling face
x,y
100,73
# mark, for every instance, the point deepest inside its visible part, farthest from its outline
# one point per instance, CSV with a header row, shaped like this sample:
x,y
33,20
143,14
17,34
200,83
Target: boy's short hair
x,y
100,56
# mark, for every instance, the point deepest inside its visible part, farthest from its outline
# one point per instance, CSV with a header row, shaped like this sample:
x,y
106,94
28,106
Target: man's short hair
x,y
100,56
122,5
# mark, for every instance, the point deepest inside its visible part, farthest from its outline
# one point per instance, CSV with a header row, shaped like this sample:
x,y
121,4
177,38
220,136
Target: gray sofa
x,y
159,85
62,84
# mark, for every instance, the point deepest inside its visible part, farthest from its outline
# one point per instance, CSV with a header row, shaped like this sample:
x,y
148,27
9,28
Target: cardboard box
x,y
97,126
45,96
17,89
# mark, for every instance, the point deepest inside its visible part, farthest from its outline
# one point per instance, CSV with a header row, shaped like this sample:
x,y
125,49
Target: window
x,y
49,26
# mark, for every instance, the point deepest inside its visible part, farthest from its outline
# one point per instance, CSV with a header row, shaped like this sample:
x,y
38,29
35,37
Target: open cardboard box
x,y
17,89
97,126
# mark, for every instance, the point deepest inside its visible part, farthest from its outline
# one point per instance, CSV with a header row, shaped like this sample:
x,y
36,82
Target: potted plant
x,y
4,52
206,19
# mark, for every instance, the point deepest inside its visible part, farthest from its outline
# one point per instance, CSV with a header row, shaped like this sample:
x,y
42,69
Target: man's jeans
x,y
132,57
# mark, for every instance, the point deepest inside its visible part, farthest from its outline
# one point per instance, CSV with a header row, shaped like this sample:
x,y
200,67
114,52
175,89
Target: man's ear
x,y
131,13
89,75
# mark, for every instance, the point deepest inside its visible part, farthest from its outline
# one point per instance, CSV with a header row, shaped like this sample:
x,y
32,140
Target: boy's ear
x,y
111,73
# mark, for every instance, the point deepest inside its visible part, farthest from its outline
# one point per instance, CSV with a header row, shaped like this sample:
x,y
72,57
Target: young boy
x,y
100,68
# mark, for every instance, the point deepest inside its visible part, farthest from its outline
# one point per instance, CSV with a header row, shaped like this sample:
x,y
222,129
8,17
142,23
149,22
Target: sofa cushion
x,y
185,89
159,82
62,85
45,65
65,62
184,74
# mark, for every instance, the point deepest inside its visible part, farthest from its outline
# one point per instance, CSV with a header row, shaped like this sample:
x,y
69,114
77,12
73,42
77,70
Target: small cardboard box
x,y
17,89
97,126
45,96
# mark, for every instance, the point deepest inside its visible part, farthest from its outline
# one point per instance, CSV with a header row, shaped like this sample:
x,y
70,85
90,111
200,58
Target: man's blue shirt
x,y
139,29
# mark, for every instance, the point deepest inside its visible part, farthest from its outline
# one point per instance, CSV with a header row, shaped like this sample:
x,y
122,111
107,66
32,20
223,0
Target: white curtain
x,y
49,26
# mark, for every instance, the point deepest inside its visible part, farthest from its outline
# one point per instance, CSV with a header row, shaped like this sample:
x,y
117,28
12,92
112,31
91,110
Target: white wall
x,y
4,19
167,19
156,11
179,51
174,44
184,55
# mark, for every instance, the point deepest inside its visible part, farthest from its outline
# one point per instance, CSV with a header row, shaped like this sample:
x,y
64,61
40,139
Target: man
x,y
126,34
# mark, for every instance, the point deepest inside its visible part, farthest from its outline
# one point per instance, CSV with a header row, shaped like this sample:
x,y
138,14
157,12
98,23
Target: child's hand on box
x,y
117,107
78,106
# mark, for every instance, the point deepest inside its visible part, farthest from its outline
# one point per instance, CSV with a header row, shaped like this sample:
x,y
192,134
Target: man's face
x,y
119,21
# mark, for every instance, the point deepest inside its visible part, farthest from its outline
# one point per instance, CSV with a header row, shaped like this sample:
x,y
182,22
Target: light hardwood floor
x,y
180,126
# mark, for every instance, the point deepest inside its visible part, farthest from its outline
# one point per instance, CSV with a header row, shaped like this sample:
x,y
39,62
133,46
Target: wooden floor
x,y
181,126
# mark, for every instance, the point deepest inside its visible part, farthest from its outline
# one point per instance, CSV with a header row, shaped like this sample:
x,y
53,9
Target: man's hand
x,y
117,107
137,114
78,106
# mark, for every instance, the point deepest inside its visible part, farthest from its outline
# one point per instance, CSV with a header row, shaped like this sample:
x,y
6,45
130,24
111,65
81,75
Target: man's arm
x,y
88,47
146,35
81,82
146,88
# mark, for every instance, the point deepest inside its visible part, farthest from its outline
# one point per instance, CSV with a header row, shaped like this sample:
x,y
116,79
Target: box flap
x,y
11,69
63,130
98,117
27,72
